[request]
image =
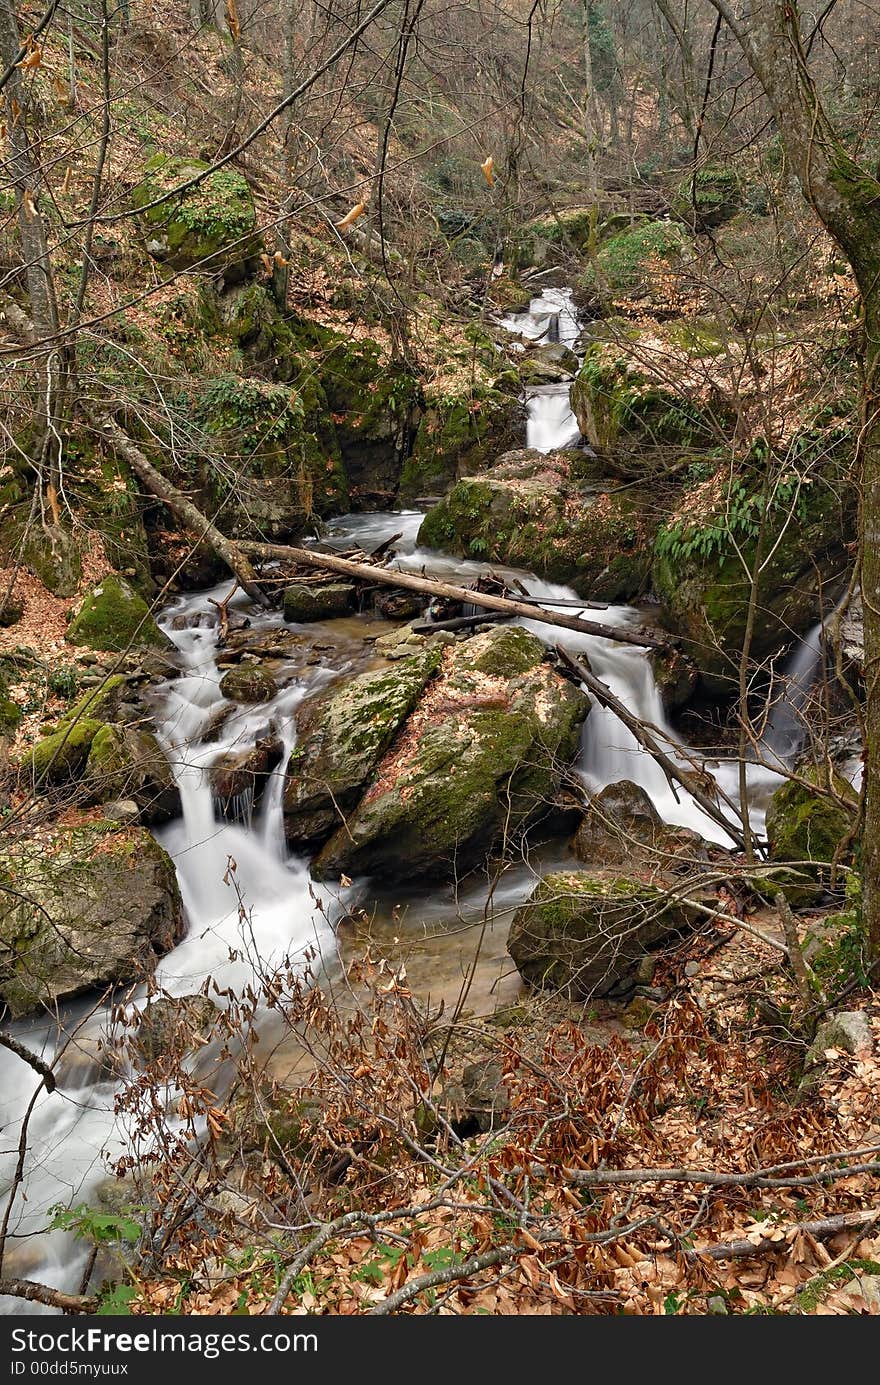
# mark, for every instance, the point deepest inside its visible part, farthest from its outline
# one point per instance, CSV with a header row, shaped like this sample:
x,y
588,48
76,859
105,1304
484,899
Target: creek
x,y
75,1132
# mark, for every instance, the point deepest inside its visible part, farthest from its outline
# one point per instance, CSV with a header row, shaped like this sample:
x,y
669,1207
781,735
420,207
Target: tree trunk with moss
x,y
846,197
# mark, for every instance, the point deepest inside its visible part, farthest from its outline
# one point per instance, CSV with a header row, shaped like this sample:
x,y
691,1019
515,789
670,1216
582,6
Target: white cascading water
x,y
552,317
74,1132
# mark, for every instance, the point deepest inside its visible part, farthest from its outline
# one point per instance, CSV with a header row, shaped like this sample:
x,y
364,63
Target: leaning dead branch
x,y
686,778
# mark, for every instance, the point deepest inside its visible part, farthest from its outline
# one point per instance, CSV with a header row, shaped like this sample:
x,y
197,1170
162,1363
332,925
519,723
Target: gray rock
x,y
122,810
584,933
89,906
850,1030
304,603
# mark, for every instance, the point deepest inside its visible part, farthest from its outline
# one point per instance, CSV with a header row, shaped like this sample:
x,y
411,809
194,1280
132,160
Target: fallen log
x,y
427,627
409,581
686,778
189,515
825,1226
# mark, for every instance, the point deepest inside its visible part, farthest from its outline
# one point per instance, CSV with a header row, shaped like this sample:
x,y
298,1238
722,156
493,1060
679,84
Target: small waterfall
x,y
785,732
75,1133
552,318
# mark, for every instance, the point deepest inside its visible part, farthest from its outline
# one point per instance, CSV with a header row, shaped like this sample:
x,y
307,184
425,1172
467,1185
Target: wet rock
x,y
621,827
85,907
248,683
675,674
127,762
241,774
113,617
585,933
549,364
480,759
304,603
172,1026
620,822
398,605
540,511
343,734
803,825
705,591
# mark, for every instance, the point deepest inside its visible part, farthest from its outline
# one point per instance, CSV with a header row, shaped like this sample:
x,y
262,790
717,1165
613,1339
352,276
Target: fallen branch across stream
x,y
686,778
430,586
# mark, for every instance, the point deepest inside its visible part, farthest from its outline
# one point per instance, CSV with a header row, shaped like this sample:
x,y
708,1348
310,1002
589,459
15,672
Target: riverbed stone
x,y
303,602
583,933
342,735
239,772
172,1026
248,682
803,824
83,907
479,759
620,823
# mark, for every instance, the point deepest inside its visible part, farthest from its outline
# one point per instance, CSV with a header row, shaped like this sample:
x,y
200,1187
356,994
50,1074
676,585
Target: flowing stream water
x,y
74,1132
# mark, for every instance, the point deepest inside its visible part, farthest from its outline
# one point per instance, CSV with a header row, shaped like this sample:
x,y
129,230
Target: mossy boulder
x,y
62,755
172,1027
533,510
636,263
279,449
376,406
250,682
213,225
342,735
550,364
709,197
803,824
569,230
303,603
10,716
54,555
700,570
113,617
460,432
88,907
479,760
127,762
584,932
632,417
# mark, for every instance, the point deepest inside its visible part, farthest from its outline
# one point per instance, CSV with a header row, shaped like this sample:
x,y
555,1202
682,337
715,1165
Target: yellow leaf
x,y
351,217
487,168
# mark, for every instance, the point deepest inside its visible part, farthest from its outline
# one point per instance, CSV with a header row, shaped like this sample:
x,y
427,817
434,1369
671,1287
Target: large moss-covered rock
x,y
803,824
342,735
62,755
636,263
480,758
88,907
537,511
376,405
701,570
128,762
459,434
213,225
568,229
280,451
113,617
583,933
624,411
